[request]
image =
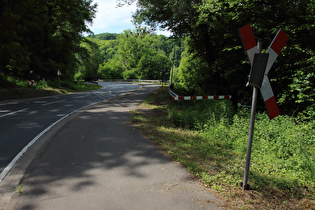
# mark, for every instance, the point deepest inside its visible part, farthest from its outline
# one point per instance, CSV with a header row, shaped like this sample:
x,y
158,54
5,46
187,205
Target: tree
x,y
111,70
154,66
90,61
212,28
143,55
42,37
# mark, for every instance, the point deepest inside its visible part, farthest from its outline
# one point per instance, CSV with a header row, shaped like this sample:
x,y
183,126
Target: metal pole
x,y
59,80
173,64
251,129
250,137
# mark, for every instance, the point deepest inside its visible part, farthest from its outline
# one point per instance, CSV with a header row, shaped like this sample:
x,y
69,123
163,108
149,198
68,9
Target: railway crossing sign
x,y
273,51
261,64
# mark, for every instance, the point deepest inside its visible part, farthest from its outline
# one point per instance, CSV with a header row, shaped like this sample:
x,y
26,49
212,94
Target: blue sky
x,y
113,19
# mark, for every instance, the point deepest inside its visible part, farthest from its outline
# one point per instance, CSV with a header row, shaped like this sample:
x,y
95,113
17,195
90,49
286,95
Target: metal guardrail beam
x,y
133,80
172,94
175,97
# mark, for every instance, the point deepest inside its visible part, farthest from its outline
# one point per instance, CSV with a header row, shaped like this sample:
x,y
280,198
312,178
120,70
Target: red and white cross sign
x,y
274,50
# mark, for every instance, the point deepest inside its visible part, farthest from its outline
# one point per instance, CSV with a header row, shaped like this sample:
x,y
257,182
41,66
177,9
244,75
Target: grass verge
x,y
16,90
217,157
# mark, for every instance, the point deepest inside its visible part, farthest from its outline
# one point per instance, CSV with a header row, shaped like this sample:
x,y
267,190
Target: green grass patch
x,y
12,88
210,140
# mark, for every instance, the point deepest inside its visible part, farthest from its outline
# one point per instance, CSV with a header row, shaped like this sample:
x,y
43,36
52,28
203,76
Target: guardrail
x,y
133,80
186,98
172,94
175,97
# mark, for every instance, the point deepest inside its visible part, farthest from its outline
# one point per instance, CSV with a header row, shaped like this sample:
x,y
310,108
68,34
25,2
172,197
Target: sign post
x,y
59,73
261,64
257,66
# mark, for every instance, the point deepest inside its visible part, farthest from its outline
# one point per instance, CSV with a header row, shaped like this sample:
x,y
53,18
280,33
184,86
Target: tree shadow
x,y
100,143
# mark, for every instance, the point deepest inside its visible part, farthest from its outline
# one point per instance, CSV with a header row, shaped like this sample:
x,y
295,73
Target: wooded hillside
x,y
205,55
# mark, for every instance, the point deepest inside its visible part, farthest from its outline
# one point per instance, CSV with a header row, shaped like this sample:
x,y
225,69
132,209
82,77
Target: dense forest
x,y
130,55
204,56
40,38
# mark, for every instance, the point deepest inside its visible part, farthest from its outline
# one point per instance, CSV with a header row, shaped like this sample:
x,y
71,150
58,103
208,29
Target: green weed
x,y
19,189
210,140
11,88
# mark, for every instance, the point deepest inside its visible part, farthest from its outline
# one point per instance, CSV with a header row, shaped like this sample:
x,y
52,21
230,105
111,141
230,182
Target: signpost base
x,y
250,137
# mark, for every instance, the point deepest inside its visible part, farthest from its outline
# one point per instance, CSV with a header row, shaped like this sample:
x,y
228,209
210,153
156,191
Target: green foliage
x,y
212,30
136,54
90,61
42,39
104,36
17,88
283,150
201,114
19,189
211,142
111,70
190,76
154,66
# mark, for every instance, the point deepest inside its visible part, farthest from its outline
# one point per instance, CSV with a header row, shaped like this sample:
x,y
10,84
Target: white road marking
x,y
53,102
11,113
11,164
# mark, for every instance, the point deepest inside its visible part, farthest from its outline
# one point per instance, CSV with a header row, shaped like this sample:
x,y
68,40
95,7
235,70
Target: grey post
x,y
251,129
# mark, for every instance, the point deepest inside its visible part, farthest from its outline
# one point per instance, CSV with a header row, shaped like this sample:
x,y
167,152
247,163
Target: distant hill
x,y
104,36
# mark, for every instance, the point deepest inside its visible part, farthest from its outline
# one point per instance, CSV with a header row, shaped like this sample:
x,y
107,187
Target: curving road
x,y
22,121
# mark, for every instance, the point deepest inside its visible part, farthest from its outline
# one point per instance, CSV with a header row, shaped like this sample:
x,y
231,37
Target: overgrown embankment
x,y
210,140
12,88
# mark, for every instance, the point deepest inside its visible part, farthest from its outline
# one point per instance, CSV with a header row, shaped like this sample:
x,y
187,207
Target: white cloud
x,y
113,19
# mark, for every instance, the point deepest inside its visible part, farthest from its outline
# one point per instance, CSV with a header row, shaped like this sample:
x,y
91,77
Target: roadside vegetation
x,y
204,56
13,88
210,140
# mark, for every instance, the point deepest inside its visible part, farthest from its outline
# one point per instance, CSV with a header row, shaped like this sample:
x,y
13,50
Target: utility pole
x,y
173,66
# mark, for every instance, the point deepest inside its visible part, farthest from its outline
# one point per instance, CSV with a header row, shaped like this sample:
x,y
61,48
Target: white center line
x,y
11,113
52,102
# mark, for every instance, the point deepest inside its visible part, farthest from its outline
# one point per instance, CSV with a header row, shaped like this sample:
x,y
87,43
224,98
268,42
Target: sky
x,y
113,19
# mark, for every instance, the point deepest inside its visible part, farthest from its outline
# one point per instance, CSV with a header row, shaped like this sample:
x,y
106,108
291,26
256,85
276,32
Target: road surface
x,y
96,159
23,120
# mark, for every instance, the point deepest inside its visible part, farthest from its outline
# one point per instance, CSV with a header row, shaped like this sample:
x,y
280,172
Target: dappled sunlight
x,y
76,164
98,159
216,154
99,144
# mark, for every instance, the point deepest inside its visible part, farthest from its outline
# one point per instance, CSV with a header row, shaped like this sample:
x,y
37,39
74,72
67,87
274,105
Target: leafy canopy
x,y
212,28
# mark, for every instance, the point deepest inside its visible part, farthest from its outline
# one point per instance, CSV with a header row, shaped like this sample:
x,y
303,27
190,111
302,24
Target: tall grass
x,y
283,152
210,140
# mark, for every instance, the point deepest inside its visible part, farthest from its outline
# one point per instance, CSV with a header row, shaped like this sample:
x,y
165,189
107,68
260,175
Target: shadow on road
x,y
100,161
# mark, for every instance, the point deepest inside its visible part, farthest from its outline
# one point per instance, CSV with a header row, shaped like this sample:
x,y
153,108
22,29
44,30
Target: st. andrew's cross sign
x,y
261,64
274,50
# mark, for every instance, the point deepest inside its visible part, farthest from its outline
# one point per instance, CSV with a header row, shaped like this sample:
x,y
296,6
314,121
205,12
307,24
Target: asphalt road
x,y
96,159
23,120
